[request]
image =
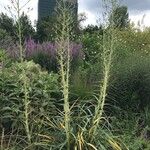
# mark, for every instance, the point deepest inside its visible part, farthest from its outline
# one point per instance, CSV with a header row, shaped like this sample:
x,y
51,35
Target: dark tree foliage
x,y
93,28
7,24
26,27
45,29
10,26
119,17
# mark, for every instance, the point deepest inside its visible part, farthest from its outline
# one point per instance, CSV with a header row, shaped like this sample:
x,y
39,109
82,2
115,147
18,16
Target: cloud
x,y
137,9
94,5
142,19
141,5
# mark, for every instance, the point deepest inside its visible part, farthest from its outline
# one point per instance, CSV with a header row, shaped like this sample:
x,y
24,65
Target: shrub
x,y
5,61
6,40
131,76
131,83
41,90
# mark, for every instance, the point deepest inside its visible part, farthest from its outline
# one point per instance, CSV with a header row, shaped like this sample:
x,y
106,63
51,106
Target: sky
x,y
139,10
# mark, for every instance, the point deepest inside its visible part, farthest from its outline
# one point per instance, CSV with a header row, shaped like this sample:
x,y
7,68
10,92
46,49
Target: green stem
x,y
25,85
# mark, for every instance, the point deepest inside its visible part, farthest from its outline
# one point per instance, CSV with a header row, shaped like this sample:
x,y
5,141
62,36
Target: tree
x,y
26,27
45,29
93,28
7,24
119,17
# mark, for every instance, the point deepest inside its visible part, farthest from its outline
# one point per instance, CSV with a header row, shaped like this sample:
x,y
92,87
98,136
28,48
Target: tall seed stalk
x,y
109,38
17,7
62,40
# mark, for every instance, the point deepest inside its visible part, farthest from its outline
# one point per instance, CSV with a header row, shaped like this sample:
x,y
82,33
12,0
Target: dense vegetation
x,y
83,91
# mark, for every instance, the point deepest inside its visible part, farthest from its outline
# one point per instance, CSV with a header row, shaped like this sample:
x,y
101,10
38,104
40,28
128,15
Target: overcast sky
x,y
137,9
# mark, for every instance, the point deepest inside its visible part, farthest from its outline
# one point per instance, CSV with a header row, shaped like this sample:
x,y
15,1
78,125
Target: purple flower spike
x,y
48,48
